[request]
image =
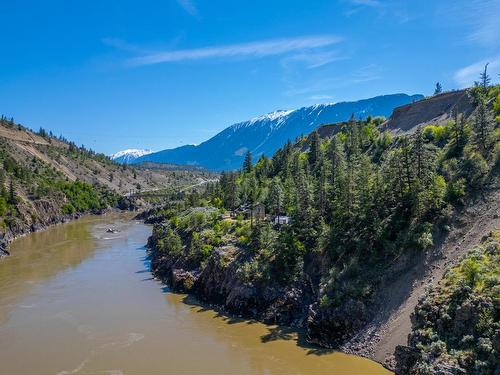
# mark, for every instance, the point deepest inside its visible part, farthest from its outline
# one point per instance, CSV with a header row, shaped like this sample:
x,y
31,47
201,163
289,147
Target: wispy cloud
x,y
367,73
320,98
466,76
396,9
479,18
317,86
258,49
189,7
122,45
369,3
485,21
312,59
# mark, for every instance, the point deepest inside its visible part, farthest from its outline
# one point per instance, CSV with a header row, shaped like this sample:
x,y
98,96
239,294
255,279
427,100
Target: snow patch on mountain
x,y
273,116
129,155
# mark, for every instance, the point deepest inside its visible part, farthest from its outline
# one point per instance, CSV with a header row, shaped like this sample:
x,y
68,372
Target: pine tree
x,y
314,152
276,196
352,142
483,118
229,191
438,89
12,193
484,122
406,162
247,163
418,152
336,158
253,195
321,190
3,191
484,78
458,130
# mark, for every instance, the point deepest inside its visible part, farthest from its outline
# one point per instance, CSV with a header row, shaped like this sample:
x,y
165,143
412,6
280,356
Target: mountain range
x,y
263,135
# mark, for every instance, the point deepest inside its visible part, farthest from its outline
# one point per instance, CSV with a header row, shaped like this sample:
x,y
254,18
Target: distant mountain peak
x,y
129,155
273,116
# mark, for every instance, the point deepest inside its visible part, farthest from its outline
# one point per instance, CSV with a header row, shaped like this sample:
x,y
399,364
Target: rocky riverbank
x,y
221,282
372,329
222,279
21,228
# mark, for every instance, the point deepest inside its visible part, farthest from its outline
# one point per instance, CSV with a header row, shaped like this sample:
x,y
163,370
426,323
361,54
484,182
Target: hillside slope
x,y
265,134
391,324
45,180
456,326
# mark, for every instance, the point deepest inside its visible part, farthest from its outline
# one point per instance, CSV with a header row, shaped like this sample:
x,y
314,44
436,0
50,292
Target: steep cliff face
x,y
220,280
437,109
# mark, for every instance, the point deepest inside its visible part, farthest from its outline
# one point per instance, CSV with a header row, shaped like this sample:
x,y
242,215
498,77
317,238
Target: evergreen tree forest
x,y
358,200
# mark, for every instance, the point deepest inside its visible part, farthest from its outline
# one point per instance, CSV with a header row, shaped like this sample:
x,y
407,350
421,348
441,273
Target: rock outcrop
x,y
220,282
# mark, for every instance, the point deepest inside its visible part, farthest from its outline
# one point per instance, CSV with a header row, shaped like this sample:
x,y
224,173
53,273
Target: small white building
x,y
282,220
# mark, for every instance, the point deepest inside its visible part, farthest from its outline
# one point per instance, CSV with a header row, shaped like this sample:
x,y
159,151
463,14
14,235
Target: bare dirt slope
x,y
24,145
437,109
392,324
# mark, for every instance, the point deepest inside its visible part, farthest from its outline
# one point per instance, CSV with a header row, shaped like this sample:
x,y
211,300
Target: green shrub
x,y
436,133
170,243
3,206
455,190
68,208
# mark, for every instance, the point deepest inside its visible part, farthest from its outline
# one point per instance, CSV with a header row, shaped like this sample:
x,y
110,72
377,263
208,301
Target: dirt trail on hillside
x,y
392,324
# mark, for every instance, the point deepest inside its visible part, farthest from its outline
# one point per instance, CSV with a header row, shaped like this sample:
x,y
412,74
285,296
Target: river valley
x,y
76,299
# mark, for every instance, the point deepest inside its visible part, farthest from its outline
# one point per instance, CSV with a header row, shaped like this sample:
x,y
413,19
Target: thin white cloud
x,y
396,9
367,73
256,49
369,3
189,7
120,44
320,98
317,86
466,76
485,22
313,60
479,19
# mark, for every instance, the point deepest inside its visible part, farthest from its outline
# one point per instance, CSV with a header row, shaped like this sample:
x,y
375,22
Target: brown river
x,y
77,300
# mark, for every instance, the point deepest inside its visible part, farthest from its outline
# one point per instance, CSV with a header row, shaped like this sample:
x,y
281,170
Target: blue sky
x,y
159,74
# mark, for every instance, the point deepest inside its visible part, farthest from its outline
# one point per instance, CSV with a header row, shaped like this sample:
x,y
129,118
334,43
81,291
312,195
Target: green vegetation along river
x,y
77,300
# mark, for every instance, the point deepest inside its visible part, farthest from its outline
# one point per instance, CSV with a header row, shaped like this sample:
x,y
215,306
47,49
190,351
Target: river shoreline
x,y
23,231
217,284
88,292
174,279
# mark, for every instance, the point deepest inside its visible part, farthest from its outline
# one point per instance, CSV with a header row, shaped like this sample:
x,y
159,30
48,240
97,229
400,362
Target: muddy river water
x,y
77,300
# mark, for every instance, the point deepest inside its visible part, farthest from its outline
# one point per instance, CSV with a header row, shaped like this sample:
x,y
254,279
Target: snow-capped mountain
x,y
128,156
265,134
